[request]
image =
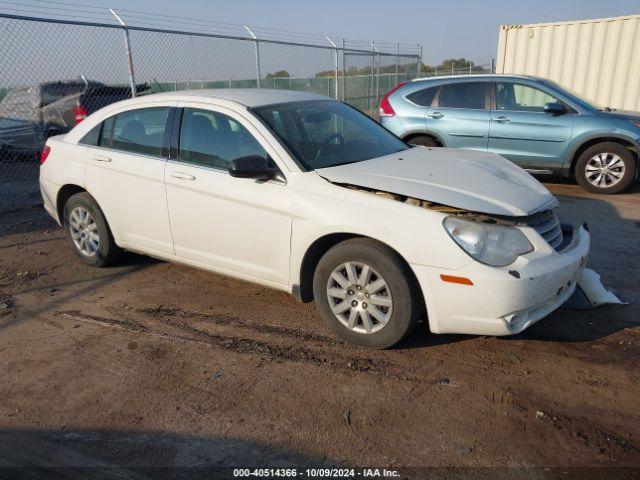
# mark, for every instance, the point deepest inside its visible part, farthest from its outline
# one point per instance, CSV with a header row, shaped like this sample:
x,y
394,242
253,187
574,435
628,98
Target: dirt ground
x,y
150,364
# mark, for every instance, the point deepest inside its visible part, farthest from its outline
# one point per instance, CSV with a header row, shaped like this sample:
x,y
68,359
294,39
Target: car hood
x,y
477,181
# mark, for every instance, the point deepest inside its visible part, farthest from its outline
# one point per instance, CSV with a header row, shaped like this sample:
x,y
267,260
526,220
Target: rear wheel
x,y
424,140
606,168
365,293
88,233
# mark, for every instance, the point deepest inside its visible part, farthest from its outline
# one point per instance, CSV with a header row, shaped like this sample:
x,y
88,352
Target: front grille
x,y
548,226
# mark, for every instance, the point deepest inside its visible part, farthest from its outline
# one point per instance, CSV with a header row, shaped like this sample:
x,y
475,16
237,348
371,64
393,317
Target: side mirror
x,y
555,108
252,166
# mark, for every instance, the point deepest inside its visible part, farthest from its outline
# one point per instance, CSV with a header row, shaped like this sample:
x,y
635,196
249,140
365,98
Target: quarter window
x,y
463,95
423,97
92,137
136,131
517,97
213,139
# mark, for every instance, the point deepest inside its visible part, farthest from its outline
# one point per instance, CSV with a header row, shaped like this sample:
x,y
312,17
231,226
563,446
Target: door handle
x,y
435,115
502,119
182,176
101,158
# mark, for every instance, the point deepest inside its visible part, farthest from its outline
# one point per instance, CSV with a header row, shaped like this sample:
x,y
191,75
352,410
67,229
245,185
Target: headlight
x,y
491,244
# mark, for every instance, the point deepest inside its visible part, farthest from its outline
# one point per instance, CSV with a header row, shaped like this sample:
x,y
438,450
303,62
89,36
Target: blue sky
x,y
445,28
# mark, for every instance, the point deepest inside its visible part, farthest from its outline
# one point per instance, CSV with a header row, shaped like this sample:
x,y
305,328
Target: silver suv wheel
x,y
604,170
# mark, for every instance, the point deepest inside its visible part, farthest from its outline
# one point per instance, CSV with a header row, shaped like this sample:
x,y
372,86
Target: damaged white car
x,y
305,194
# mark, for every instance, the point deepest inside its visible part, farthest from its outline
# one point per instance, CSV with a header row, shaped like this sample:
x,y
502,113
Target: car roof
x,y
249,97
483,76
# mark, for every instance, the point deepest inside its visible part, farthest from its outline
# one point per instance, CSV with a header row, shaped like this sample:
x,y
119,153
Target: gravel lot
x,y
154,364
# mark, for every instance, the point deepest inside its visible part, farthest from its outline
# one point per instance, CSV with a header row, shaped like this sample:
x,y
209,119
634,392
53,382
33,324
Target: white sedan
x,y
305,194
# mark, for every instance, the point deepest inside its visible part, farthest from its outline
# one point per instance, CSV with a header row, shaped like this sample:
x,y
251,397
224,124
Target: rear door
x,y
460,115
125,174
521,131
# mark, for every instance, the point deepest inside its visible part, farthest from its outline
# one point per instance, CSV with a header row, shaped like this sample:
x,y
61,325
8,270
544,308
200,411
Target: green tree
x,y
279,74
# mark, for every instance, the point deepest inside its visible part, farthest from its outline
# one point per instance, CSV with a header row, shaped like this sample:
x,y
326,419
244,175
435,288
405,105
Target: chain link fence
x,y
55,72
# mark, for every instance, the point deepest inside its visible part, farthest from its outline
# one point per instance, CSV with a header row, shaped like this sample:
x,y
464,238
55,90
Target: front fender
x,y
414,232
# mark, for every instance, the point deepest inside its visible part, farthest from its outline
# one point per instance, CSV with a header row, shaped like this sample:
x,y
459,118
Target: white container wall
x,y
598,59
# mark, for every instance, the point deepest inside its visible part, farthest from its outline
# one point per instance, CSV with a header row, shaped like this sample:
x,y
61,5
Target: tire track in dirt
x,y
163,312
237,344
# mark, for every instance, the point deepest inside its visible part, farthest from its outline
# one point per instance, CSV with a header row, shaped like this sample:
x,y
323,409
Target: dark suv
x,y
30,115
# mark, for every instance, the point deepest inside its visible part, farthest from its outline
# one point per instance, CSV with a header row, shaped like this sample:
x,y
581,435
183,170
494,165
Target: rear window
x,y
463,95
136,131
423,97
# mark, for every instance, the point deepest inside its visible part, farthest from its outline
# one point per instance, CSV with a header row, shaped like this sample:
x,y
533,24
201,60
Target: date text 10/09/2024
x,y
315,473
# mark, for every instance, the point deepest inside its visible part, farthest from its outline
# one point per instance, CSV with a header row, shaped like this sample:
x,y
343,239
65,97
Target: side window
x,y
213,139
92,137
517,97
423,97
136,131
463,95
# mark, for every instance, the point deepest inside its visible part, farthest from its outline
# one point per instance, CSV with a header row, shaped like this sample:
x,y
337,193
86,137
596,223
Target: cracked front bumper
x,y
506,300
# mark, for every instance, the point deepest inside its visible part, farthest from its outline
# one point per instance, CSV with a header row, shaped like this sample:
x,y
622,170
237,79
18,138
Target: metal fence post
x,y
344,73
127,45
419,65
377,81
397,62
257,43
336,64
370,87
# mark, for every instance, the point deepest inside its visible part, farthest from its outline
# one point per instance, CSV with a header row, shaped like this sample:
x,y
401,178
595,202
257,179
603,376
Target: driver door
x,y
232,225
522,132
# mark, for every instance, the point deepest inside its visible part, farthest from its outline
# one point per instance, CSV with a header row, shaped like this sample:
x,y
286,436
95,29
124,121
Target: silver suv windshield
x,y
326,133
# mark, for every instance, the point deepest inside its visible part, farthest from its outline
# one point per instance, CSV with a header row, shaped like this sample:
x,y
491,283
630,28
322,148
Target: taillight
x,y
385,106
44,154
80,113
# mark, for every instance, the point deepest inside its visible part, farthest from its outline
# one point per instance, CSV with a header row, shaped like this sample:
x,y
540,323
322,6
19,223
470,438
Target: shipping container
x,y
598,59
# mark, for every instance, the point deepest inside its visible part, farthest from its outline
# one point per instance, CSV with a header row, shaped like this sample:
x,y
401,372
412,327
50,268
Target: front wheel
x,y
606,168
366,294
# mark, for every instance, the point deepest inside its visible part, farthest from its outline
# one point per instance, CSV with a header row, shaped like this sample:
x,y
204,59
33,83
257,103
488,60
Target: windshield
x,y
327,133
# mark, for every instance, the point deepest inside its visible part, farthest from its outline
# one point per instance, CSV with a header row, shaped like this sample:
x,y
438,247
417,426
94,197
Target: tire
x,y
611,153
424,141
406,300
85,229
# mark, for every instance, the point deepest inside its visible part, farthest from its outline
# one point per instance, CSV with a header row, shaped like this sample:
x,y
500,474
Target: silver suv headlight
x,y
494,245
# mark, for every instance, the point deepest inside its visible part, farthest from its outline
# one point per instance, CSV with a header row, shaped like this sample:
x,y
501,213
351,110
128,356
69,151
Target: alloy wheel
x,y
604,170
359,297
84,231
